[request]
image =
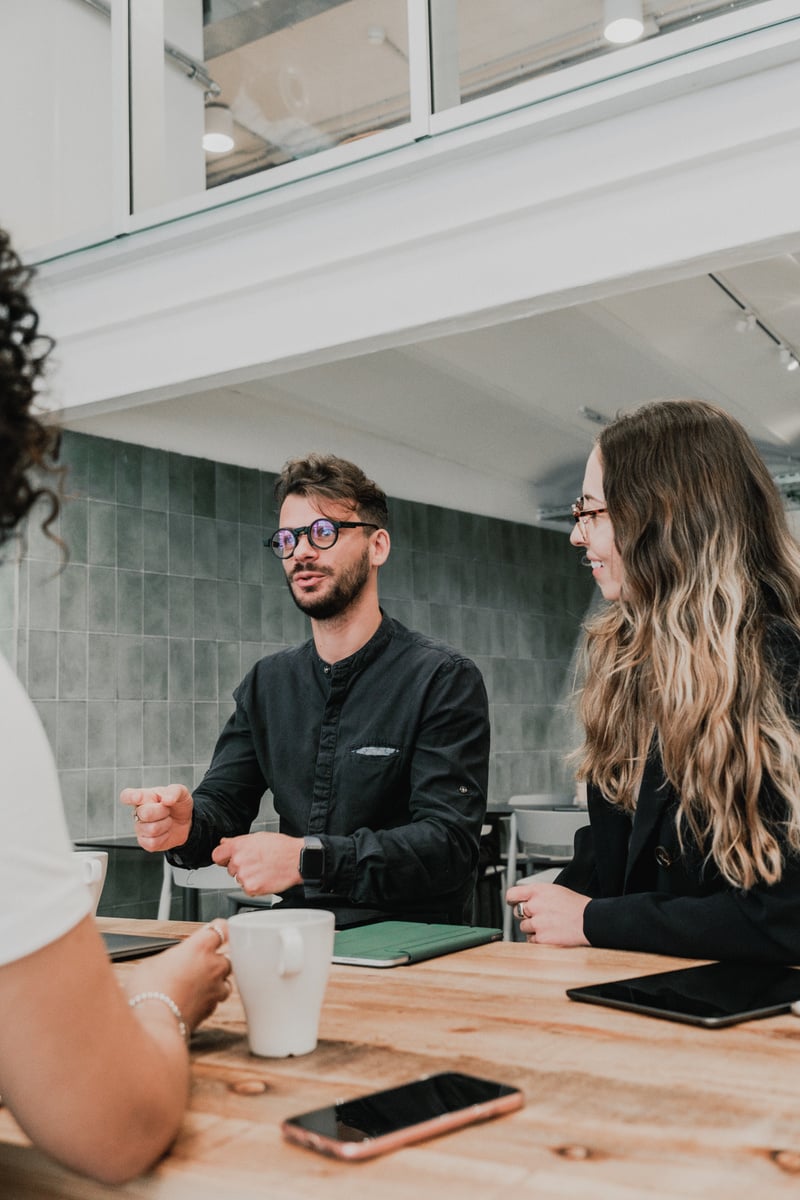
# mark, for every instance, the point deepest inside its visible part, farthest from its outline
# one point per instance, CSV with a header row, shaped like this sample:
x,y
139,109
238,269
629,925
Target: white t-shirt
x,y
42,894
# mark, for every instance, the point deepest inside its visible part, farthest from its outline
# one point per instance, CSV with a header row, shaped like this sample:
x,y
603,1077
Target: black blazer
x,y
647,895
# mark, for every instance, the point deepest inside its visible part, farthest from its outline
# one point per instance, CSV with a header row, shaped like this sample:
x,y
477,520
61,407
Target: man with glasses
x,y
374,740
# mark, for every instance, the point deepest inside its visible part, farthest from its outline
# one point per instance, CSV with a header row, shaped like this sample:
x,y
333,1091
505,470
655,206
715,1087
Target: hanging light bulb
x,y
623,21
787,359
218,136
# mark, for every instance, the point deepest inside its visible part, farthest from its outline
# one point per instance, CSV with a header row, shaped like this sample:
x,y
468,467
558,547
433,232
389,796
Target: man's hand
x,y
261,862
550,914
162,816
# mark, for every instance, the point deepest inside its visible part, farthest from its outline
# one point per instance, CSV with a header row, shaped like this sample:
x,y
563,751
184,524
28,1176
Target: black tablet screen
x,y
715,994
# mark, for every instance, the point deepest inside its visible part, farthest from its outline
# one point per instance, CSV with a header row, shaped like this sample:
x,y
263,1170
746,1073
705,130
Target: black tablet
x,y
714,995
135,945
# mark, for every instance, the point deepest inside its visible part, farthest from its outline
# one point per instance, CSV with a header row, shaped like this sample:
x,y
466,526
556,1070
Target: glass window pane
x,y
246,87
480,48
55,137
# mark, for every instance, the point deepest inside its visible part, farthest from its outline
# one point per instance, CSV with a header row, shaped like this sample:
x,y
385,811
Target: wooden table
x,y
619,1106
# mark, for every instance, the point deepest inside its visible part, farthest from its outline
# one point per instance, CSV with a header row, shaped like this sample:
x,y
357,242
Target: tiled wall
x,y
131,652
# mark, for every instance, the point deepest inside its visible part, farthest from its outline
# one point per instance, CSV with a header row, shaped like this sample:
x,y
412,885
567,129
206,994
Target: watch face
x,y
312,862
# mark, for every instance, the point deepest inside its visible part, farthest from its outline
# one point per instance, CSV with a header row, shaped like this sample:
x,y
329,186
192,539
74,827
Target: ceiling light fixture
x,y
218,136
623,21
591,414
748,319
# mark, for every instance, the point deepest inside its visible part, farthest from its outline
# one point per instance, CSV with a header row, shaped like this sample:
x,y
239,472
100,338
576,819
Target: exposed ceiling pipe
x,y
192,67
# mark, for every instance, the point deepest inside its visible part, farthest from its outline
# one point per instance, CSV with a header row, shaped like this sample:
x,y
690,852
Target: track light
x,y
218,136
623,21
748,319
591,414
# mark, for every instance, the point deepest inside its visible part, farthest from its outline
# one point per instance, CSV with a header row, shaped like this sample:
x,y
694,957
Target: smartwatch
x,y
312,860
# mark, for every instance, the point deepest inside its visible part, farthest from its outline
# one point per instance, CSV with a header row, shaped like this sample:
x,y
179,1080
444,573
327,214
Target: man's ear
x,y
381,544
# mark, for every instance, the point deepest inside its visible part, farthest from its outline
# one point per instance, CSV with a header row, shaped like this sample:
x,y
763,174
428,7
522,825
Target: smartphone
x,y
382,1121
713,995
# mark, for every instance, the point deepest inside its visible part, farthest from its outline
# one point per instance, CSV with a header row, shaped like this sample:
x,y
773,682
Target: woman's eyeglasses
x,y
580,515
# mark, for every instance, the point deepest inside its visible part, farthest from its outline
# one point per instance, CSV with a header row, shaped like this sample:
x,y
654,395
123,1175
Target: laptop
x,y
400,943
120,946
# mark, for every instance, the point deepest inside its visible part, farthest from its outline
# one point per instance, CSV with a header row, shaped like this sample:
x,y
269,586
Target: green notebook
x,y
398,943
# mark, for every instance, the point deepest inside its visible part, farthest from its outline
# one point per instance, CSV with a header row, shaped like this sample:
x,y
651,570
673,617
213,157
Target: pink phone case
x,y
372,1147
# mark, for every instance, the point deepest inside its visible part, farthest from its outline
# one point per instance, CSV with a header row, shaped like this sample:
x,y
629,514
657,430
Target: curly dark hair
x,y
336,479
28,446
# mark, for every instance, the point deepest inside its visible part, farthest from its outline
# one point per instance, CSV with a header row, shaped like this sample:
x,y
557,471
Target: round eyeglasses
x,y
580,515
322,534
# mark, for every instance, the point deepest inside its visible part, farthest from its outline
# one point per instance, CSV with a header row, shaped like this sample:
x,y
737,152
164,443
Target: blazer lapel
x,y
610,834
654,795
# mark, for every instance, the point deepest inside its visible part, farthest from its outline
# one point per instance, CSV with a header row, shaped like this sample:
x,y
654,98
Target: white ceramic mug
x,y
93,865
281,960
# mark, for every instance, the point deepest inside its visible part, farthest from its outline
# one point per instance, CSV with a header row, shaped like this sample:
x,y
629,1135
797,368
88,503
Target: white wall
x,y
55,129
684,167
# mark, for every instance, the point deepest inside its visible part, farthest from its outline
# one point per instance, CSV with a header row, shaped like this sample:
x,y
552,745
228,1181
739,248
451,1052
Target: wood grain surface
x,y
619,1106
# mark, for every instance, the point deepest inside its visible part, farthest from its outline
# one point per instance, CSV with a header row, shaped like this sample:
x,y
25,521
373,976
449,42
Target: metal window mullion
x,y
120,118
419,67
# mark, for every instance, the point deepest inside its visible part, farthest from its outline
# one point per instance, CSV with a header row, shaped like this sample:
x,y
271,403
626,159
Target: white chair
x,y
544,834
210,879
532,800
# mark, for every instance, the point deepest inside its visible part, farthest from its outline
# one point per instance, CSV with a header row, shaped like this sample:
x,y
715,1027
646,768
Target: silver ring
x,y
136,816
218,932
520,911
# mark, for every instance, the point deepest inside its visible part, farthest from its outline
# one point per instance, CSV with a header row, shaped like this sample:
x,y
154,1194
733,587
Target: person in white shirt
x,y
96,1076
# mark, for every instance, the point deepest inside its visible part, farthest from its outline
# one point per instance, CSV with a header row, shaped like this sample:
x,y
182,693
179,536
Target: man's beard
x,y
344,592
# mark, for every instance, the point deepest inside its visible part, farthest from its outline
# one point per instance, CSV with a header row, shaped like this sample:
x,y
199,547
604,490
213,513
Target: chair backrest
x,y
211,878
549,833
543,800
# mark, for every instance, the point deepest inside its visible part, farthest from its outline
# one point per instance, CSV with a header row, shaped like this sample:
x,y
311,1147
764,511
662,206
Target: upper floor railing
x,y
131,113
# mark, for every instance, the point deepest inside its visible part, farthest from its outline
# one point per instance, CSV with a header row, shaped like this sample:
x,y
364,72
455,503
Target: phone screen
x,y
383,1113
715,994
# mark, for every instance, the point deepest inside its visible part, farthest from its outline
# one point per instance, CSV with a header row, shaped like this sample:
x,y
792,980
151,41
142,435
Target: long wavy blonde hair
x,y
708,565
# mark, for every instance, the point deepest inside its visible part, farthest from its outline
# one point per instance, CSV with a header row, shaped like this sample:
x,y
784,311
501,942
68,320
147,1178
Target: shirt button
x,y
327,670
663,856
463,790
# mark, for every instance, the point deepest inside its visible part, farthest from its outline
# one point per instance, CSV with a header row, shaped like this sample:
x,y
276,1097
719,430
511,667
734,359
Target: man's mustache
x,y
300,570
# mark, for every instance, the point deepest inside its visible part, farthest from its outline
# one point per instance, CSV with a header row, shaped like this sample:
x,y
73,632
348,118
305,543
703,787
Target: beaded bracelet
x,y
171,1005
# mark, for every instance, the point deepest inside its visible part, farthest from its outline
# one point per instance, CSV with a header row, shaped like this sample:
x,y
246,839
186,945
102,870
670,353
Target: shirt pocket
x,y
370,751
376,766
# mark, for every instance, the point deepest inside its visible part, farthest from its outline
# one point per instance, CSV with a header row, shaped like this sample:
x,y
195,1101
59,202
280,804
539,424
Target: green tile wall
x,y
132,651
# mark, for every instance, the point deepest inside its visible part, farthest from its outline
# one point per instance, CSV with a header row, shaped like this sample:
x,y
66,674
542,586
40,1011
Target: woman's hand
x,y
195,973
549,913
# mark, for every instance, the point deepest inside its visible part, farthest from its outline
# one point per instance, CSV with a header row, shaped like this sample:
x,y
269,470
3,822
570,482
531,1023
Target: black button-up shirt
x,y
383,755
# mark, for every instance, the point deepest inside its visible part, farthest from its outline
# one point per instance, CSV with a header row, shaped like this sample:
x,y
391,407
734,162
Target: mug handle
x,y
91,870
290,961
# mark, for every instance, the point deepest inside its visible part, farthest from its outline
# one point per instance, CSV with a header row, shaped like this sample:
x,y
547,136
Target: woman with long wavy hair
x,y
96,1076
690,701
